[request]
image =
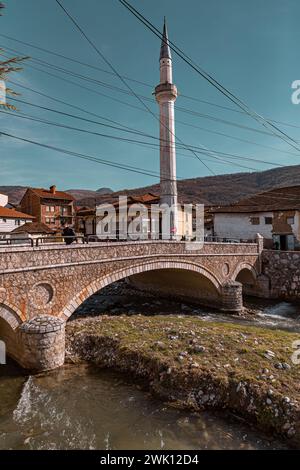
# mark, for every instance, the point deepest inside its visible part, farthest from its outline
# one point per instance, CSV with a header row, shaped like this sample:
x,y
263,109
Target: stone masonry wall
x,y
283,270
56,280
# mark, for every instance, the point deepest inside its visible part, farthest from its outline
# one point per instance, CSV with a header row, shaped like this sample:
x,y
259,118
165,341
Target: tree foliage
x,y
7,66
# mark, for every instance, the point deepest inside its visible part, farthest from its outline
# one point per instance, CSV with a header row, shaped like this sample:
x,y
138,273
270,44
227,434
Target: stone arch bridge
x,y
40,287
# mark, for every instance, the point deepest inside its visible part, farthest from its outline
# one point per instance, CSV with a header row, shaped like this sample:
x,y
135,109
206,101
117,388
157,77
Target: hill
x,y
220,189
212,190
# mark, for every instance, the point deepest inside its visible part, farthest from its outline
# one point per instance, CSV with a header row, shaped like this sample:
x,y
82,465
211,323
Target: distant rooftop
x,y
278,199
51,193
7,213
33,228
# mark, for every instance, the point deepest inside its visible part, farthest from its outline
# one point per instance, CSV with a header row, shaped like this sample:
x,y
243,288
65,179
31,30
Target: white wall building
x,y
274,214
11,219
3,200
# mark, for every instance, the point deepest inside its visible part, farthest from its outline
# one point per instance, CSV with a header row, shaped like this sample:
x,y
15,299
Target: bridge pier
x,y
42,343
232,297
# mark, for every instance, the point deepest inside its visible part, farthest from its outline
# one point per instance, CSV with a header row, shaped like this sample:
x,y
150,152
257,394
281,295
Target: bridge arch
x,y
247,275
104,281
9,322
247,269
10,315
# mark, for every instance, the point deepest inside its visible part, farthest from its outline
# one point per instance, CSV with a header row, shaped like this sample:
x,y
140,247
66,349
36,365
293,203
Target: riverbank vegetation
x,y
200,365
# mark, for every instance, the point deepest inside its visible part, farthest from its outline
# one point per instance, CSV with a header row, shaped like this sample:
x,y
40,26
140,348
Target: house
x,y
11,218
88,219
49,206
85,221
275,214
32,230
151,221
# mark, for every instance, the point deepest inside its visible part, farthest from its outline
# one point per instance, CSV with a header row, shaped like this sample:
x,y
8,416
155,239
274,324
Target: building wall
x,y
39,208
30,204
53,213
11,224
283,271
3,200
239,226
185,223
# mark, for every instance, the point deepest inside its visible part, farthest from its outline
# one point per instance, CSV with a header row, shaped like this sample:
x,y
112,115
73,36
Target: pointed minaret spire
x,y
165,51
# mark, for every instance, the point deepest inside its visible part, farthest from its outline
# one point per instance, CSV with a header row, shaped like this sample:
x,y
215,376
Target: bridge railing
x,y
206,239
15,242
60,239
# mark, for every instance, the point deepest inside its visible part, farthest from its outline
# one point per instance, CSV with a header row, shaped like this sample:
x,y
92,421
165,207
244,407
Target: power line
x,y
70,59
178,108
97,160
182,95
105,162
102,56
132,141
142,133
237,101
86,157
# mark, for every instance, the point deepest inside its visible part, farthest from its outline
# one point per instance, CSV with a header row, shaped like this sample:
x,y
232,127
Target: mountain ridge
x,y
210,190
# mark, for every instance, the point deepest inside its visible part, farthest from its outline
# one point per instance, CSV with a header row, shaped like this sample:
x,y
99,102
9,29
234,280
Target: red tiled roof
x,y
33,227
47,194
277,199
144,198
13,214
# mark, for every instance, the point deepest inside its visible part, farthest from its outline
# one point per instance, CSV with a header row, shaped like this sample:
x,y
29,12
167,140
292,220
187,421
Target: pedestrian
x,y
68,235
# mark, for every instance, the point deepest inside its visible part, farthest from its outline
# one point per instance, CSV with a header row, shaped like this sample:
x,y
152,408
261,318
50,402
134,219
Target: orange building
x,y
49,206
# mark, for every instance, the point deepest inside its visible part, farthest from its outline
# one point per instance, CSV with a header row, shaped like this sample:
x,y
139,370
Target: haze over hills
x,y
213,190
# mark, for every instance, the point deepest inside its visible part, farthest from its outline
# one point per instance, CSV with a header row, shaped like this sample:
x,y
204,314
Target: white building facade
x,y
11,218
274,214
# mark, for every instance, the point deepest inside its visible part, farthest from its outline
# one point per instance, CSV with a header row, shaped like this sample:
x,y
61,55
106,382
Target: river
x,y
83,407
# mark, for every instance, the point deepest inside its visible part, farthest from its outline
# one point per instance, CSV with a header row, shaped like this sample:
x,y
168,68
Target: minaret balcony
x,y
166,91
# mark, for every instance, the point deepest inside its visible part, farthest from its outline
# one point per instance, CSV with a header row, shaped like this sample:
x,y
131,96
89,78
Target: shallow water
x,y
87,408
80,407
121,298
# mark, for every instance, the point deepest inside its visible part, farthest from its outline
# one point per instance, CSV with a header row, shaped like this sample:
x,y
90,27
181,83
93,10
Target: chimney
x,y
53,189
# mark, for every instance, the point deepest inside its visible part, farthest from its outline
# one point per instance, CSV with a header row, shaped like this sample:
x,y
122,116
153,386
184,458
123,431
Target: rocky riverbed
x,y
196,364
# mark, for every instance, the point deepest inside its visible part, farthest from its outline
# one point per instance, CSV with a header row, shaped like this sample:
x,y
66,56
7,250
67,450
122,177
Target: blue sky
x,y
251,47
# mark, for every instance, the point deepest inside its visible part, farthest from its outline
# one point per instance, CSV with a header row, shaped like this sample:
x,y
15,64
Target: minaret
x,y
166,94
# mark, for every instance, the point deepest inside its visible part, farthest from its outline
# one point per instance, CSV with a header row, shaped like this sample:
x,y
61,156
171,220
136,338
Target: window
x,y
47,220
290,220
254,220
268,220
50,208
63,210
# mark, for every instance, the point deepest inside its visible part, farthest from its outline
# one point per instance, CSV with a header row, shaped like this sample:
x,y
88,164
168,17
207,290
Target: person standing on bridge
x,y
68,234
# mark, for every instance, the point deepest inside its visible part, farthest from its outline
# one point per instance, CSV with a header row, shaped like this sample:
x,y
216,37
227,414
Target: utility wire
x,y
178,108
237,101
251,142
192,98
24,116
86,157
101,55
